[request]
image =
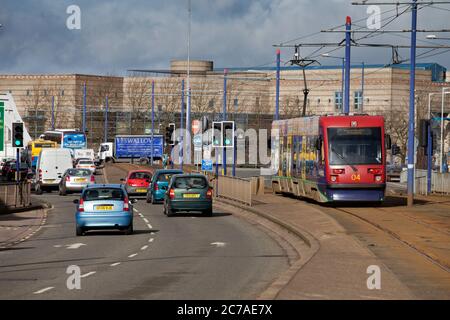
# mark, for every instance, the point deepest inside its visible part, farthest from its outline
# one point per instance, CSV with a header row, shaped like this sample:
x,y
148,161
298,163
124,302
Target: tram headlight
x,y
333,178
378,178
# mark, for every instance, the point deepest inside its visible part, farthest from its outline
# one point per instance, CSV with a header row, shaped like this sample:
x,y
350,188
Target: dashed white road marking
x,y
44,290
151,240
132,255
149,226
152,233
146,220
218,244
115,264
144,248
88,274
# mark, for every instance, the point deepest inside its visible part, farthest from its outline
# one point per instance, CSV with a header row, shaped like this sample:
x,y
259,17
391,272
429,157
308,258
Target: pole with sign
x,y
2,126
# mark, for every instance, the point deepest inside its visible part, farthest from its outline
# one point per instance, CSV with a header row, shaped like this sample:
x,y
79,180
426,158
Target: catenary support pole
x,y
348,28
412,84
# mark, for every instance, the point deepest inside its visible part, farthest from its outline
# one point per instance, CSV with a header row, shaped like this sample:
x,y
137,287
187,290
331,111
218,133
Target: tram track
x,y
442,265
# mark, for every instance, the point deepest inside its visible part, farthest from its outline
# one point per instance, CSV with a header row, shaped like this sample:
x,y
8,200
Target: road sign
x,y
207,165
2,126
198,140
196,126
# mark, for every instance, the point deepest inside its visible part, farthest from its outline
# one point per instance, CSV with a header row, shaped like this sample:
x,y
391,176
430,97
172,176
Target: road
x,y
183,257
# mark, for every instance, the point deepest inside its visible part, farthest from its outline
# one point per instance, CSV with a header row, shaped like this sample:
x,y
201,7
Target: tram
x,y
330,158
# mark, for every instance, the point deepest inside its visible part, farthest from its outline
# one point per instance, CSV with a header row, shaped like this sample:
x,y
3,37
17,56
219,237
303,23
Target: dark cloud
x,y
119,35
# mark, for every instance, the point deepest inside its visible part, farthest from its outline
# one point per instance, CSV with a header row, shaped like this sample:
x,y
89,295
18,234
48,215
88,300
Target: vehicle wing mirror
x,y
122,179
133,201
76,201
388,140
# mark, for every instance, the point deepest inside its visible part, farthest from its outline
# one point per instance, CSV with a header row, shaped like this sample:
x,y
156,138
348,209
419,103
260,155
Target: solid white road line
x,y
88,274
144,248
44,290
132,255
115,264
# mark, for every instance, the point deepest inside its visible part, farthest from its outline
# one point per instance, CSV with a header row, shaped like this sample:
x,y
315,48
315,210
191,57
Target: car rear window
x,y
79,172
103,194
86,162
140,175
190,183
165,177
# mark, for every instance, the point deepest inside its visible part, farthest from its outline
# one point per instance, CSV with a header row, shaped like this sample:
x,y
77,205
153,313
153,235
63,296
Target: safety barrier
x,y
15,195
236,189
440,182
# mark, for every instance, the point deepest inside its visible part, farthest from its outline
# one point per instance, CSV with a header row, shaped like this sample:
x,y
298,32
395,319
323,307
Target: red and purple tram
x,y
330,158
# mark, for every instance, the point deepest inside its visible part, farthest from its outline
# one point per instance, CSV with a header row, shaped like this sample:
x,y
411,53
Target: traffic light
x,y
17,134
395,150
228,134
217,134
169,133
423,132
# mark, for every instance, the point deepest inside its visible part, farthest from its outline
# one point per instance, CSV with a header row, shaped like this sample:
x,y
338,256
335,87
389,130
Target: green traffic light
x,y
227,141
17,143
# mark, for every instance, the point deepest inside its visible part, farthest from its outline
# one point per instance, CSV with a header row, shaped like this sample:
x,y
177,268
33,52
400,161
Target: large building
x,y
250,98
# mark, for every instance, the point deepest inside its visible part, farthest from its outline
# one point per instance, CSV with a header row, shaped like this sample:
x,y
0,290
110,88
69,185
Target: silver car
x,y
74,180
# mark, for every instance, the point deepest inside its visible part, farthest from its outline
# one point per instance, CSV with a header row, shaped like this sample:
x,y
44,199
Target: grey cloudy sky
x,y
118,35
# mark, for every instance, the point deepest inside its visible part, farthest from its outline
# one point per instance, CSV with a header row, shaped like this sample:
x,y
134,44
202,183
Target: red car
x,y
137,182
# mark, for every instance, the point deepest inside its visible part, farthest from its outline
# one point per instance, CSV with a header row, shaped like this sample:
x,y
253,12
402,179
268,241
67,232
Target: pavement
x,y
19,225
182,257
337,267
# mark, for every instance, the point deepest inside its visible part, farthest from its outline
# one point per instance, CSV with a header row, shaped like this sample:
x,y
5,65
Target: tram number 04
x,y
356,177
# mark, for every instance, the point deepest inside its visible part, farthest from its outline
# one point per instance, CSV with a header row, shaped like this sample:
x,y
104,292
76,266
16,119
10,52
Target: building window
x,y
257,101
45,92
235,103
358,100
211,103
28,92
62,92
338,100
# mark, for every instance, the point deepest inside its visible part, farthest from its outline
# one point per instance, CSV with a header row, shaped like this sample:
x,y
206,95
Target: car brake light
x,y
172,194
338,171
81,205
126,206
67,178
155,187
40,174
92,179
374,171
209,193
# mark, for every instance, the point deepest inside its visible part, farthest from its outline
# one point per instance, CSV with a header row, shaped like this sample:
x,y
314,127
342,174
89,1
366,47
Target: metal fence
x,y
440,182
13,195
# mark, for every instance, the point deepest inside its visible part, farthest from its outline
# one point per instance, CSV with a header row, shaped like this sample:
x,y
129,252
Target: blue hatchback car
x,y
104,206
159,184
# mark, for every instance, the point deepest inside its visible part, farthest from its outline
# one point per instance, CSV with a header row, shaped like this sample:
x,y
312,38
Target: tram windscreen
x,y
353,146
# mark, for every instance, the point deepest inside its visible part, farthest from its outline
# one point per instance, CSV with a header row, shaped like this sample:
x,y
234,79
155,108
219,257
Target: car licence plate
x,y
141,190
80,180
191,195
104,208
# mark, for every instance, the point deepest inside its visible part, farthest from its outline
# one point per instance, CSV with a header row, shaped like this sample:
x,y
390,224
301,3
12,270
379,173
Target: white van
x,y
51,166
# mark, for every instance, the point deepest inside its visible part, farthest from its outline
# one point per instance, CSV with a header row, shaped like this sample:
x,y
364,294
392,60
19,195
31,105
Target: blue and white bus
x,y
67,138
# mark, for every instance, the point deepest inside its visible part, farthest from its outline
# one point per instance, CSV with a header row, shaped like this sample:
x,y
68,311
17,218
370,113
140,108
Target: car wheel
x,y
148,200
129,230
62,192
38,189
79,231
153,200
208,213
170,212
